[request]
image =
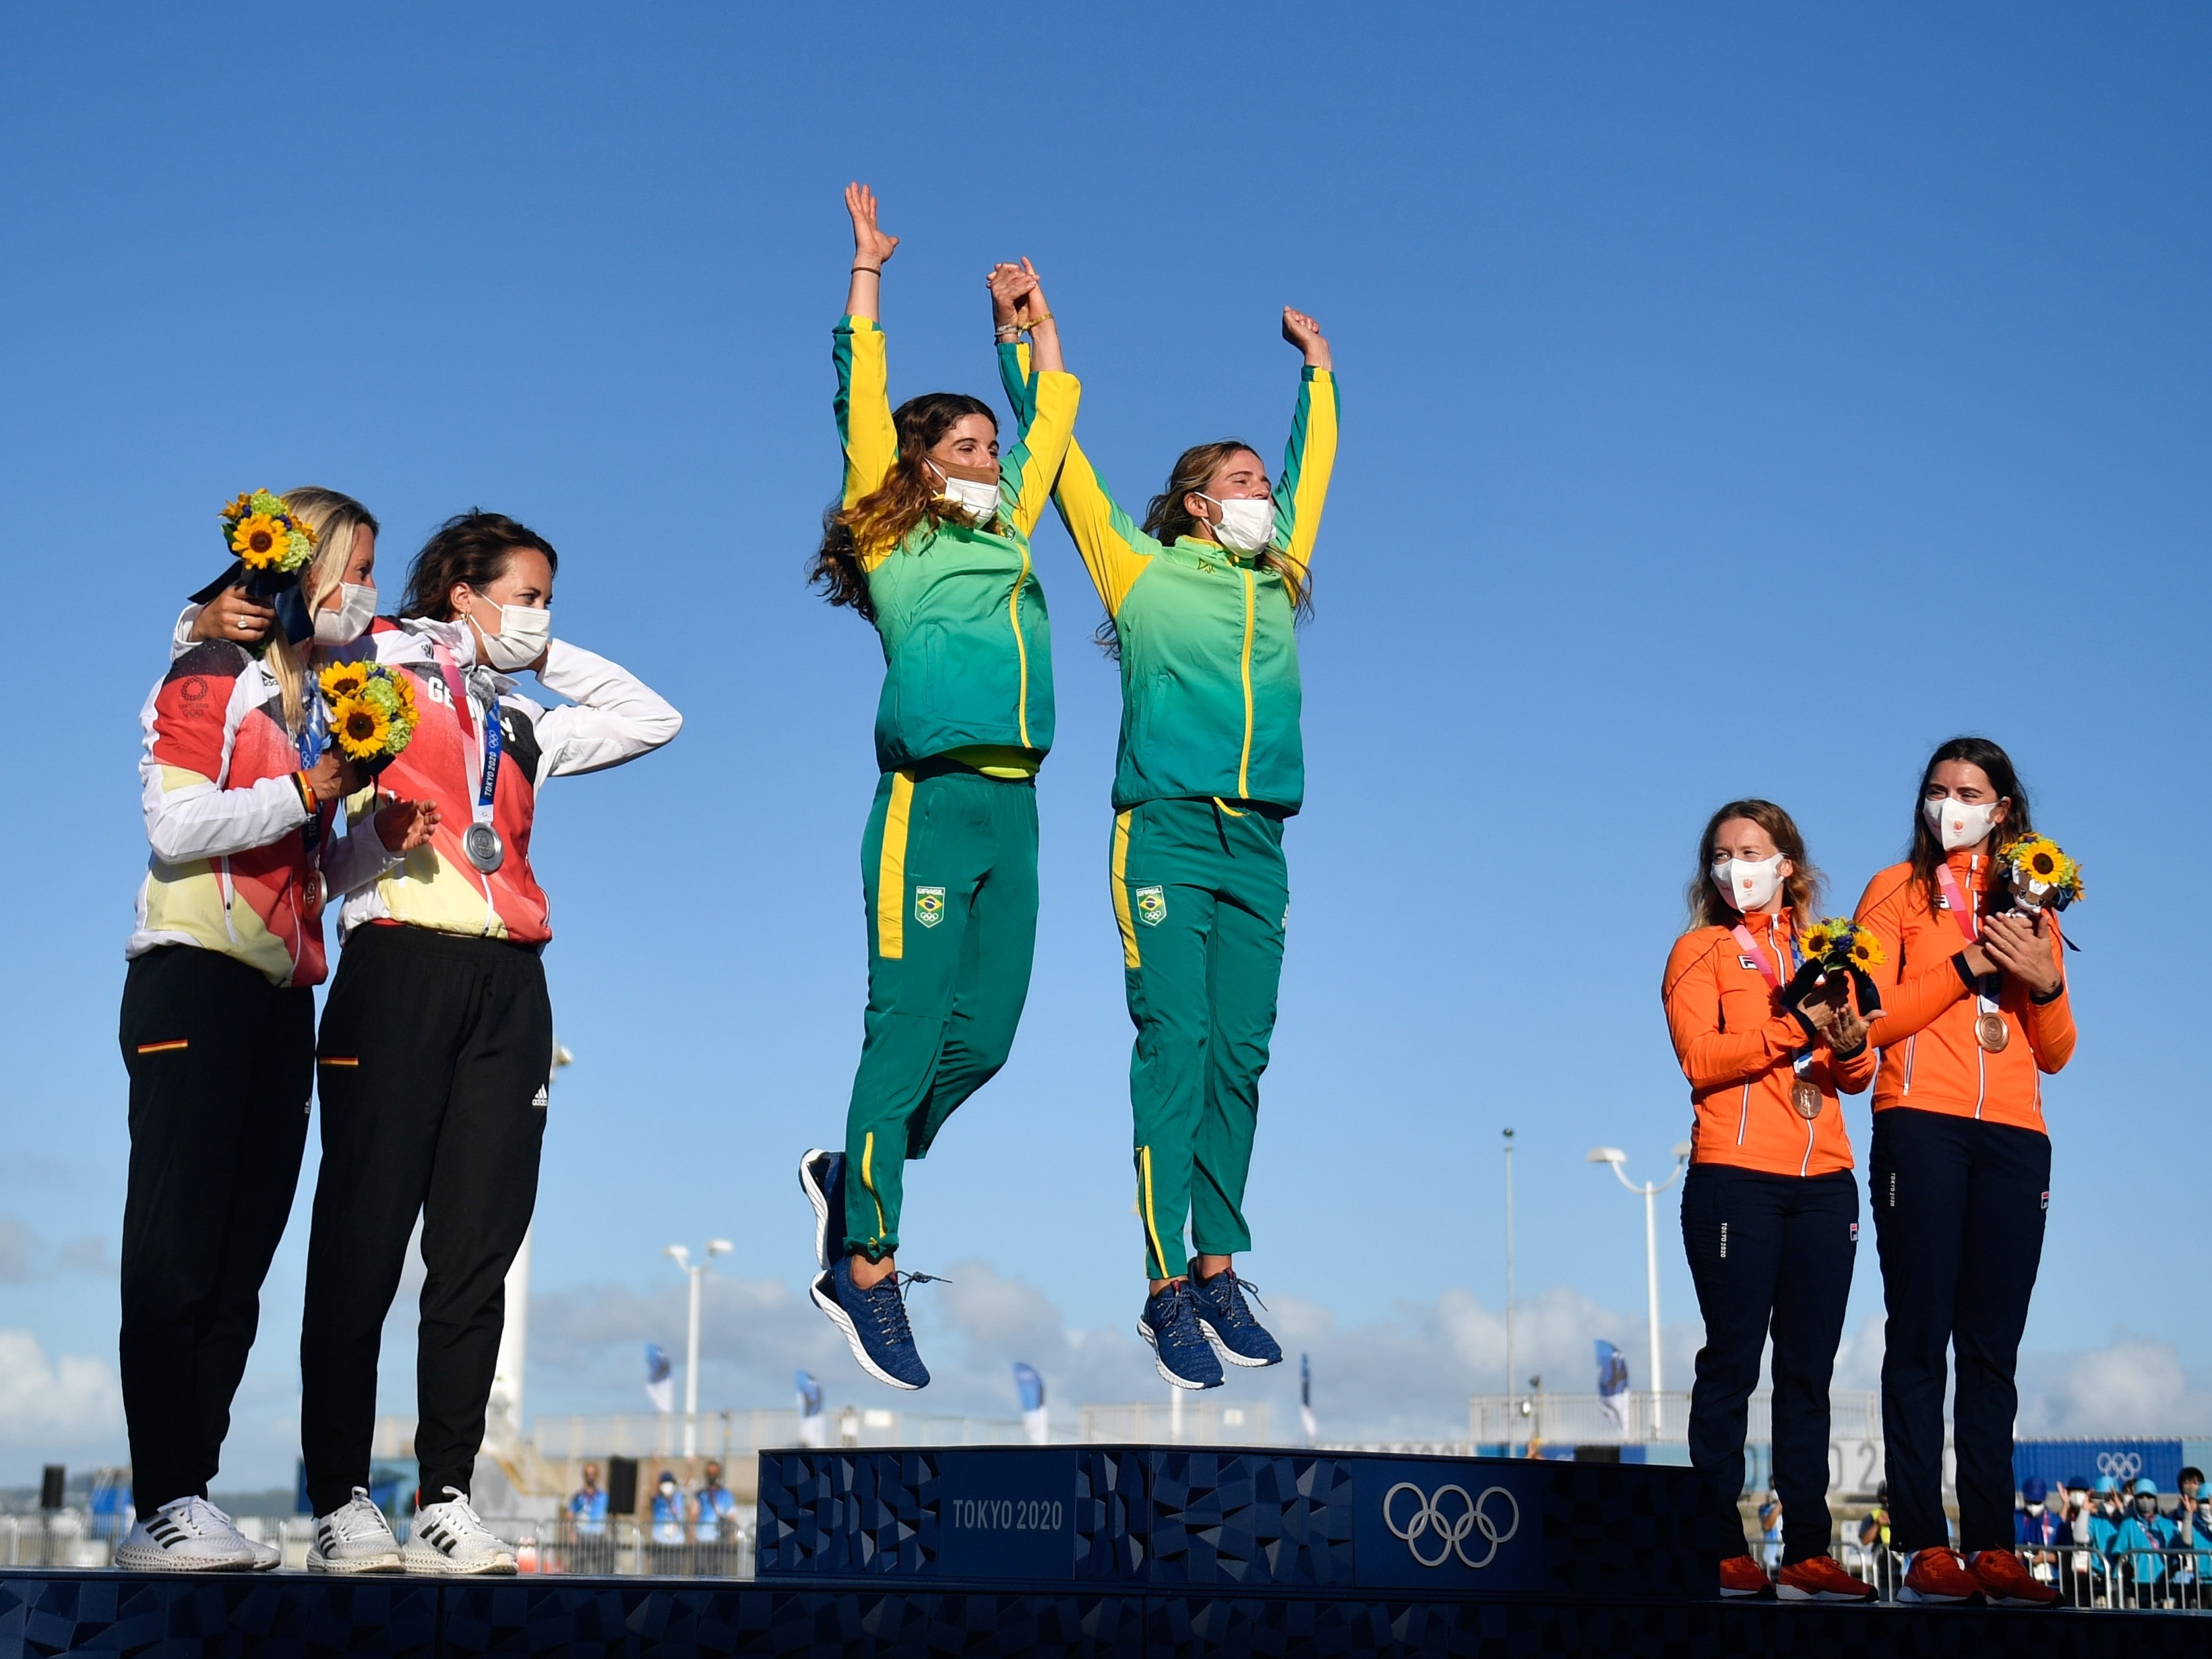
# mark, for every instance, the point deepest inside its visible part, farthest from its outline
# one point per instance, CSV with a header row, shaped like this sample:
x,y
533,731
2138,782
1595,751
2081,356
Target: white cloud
x,y
67,1409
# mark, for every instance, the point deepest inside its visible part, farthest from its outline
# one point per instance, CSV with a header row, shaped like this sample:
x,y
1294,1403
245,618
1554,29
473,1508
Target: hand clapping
x,y
2021,945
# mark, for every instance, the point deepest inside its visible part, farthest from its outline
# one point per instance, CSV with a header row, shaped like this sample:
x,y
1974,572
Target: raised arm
x,y
863,404
1046,412
1310,456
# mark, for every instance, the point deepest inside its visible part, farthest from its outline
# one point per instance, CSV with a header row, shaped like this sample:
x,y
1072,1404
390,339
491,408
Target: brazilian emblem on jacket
x,y
929,905
1151,905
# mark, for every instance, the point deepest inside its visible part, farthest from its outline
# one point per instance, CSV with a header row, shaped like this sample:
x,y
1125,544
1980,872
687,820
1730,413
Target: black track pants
x,y
220,1064
1959,1210
433,1057
1768,1252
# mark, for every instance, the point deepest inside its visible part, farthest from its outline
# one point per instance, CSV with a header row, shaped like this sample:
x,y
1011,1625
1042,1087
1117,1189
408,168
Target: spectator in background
x,y
2144,1532
588,1509
1770,1527
2189,1483
2104,1516
2036,1522
668,1509
2075,1510
1874,1538
713,1508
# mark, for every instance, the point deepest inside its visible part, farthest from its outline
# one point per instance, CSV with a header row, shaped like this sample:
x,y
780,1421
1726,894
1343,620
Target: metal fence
x,y
1854,1414
726,1435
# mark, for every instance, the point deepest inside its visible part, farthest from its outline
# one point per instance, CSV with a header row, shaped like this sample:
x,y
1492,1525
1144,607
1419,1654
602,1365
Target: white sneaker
x,y
267,1558
187,1535
451,1538
355,1538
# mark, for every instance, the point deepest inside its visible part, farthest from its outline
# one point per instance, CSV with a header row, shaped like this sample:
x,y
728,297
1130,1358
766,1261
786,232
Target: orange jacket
x,y
1930,1059
1738,1047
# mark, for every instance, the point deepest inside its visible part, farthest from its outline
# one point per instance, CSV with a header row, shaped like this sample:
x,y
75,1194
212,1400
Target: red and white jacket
x,y
611,718
226,813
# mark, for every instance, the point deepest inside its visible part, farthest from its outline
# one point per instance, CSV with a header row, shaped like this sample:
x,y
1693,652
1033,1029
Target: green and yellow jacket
x,y
967,642
1210,696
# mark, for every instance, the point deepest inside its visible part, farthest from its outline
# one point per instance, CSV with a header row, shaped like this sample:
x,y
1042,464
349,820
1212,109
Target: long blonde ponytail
x,y
333,518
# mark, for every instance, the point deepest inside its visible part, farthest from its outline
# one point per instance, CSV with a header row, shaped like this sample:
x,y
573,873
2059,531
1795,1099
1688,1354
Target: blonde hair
x,y
333,518
1801,892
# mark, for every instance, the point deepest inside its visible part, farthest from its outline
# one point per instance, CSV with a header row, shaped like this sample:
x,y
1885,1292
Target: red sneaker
x,y
1939,1575
1741,1576
1821,1579
2007,1581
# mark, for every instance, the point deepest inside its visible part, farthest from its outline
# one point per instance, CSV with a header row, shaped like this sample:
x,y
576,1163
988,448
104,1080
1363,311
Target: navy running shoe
x,y
1169,1323
822,1178
1239,1338
874,1322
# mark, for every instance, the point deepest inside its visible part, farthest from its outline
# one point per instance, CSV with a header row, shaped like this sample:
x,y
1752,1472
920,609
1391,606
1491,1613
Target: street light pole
x,y
1509,1293
682,1259
1618,1160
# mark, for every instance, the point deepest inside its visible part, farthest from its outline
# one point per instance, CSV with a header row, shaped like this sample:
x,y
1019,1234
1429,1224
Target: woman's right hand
x,y
332,777
405,825
232,616
871,246
1302,331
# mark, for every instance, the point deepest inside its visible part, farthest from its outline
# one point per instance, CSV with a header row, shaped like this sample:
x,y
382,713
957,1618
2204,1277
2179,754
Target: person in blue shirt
x,y
588,1508
668,1517
714,1508
2104,1516
2144,1532
2034,1523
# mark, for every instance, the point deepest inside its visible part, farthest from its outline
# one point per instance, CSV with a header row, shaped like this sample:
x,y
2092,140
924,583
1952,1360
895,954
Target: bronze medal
x,y
1806,1097
1991,1032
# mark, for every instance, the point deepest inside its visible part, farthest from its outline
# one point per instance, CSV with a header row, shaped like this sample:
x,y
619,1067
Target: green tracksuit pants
x,y
1201,894
949,867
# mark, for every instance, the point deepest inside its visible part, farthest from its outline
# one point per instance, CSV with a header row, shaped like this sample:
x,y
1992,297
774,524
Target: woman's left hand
x,y
1847,1033
405,825
2021,947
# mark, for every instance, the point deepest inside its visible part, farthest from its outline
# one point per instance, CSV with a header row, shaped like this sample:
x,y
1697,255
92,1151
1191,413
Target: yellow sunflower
x,y
238,509
1819,938
1866,949
260,541
361,727
344,679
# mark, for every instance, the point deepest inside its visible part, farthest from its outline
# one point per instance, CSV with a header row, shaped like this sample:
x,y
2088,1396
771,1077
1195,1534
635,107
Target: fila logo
x,y
1855,1232
1749,964
2046,1200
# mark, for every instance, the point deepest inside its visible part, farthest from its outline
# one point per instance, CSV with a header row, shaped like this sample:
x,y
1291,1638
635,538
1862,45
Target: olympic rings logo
x,y
2121,1466
1450,1533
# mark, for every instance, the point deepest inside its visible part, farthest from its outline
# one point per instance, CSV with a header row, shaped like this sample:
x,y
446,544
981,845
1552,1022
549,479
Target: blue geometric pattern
x,y
287,1614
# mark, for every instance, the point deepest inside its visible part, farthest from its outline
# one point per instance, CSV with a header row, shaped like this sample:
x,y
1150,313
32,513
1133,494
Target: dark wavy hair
x,y
1801,892
469,547
1927,853
882,518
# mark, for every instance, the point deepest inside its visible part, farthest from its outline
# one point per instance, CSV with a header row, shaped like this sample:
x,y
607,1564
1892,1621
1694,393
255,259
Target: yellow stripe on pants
x,y
1121,917
891,870
1144,1197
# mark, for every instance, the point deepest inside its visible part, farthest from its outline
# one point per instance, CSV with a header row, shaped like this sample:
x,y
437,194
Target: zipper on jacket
x,y
1245,759
1909,1043
1022,653
1806,1162
1743,1114
1981,1076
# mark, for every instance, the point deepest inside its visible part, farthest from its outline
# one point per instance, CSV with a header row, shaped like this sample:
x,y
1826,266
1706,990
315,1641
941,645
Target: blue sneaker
x,y
1239,1338
1169,1323
874,1322
822,1178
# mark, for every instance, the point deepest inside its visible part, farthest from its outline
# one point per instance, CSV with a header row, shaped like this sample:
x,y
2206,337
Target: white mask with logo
x,y
356,609
1957,823
1749,884
1246,526
524,631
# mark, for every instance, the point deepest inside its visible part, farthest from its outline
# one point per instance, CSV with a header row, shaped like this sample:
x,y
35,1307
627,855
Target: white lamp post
x,y
1617,1158
682,1259
1509,1424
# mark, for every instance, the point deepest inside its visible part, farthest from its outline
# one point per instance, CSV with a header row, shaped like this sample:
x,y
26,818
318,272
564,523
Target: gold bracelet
x,y
1030,327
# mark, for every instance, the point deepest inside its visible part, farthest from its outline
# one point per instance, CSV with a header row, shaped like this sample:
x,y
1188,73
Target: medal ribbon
x,y
314,738
1749,940
1970,924
488,772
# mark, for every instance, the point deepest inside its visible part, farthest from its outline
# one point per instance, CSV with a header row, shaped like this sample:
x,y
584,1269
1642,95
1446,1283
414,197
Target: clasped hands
x,y
2018,945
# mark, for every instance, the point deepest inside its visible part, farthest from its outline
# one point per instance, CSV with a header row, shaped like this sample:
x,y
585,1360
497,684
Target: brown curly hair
x,y
884,516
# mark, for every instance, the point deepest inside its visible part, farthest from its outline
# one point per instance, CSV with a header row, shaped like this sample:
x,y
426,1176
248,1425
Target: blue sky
x,y
1735,401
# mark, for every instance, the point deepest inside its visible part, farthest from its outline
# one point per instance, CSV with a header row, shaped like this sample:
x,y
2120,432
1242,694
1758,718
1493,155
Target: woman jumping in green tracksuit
x,y
1201,602
930,542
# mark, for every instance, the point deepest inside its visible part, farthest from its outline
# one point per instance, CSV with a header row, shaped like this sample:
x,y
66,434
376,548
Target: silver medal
x,y
482,843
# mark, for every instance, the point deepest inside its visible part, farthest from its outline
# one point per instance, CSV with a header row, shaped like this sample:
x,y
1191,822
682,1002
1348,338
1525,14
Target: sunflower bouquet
x,y
372,714
272,545
2041,877
1838,949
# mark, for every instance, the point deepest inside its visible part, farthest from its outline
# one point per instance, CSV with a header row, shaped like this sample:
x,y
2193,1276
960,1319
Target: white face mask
x,y
1957,823
1246,526
357,610
977,499
524,631
1749,885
